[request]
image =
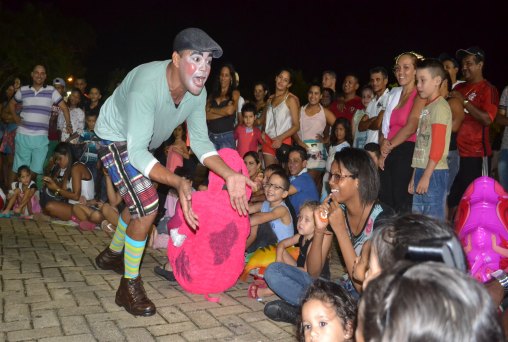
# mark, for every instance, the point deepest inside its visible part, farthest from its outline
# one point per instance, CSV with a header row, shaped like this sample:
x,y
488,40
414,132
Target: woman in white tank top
x,y
71,181
281,119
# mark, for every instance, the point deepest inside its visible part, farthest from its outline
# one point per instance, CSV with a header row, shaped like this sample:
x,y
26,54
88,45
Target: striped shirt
x,y
36,110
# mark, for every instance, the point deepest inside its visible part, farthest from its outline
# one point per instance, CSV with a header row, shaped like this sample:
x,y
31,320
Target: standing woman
x,y
260,98
281,120
315,121
72,183
221,109
400,122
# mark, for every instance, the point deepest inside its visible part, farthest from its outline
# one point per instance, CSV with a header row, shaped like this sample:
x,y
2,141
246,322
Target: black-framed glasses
x,y
337,177
275,186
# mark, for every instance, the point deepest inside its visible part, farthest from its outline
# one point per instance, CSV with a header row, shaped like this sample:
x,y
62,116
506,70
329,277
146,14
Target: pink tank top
x,y
310,126
399,117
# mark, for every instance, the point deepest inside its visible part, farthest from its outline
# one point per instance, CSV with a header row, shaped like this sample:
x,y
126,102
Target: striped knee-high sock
x,y
119,238
132,256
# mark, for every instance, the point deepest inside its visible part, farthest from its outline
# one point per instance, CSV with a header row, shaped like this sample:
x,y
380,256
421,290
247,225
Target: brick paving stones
x,y
51,291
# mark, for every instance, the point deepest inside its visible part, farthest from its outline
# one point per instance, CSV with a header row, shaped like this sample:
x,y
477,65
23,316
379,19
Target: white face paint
x,y
195,68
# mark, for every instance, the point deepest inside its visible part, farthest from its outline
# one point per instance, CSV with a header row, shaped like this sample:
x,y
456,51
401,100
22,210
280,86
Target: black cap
x,y
446,57
473,50
196,39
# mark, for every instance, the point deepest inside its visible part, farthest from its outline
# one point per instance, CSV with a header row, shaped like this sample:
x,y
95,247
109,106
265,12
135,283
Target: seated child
x,y
328,314
22,197
303,188
303,270
272,211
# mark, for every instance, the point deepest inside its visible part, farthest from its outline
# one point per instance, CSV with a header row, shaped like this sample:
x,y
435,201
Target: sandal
x,y
86,225
162,272
252,291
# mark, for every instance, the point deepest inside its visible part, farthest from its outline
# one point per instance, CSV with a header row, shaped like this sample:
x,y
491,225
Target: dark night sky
x,y
259,37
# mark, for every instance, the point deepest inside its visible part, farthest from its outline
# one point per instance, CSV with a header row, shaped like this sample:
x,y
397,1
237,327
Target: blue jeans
x,y
288,282
433,202
453,167
222,140
502,168
291,283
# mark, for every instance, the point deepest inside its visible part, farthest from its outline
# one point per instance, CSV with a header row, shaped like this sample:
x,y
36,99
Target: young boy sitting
x,y
303,188
272,221
429,182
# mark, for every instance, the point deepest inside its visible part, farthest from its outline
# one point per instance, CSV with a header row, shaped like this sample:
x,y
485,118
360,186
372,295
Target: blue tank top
x,y
281,230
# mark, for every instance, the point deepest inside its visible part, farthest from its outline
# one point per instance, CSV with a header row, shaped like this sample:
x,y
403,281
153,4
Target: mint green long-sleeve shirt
x,y
142,113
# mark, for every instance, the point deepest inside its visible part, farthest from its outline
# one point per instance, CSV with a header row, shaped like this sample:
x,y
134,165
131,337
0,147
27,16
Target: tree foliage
x,y
39,34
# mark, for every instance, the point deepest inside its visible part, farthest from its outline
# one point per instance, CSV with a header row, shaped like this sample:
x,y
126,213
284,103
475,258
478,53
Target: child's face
x,y
248,119
252,166
321,323
367,96
374,268
340,133
25,177
427,85
94,94
90,122
295,163
361,264
305,224
274,189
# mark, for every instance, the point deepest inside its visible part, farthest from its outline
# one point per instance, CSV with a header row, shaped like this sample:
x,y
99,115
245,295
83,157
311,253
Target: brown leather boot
x,y
132,296
110,260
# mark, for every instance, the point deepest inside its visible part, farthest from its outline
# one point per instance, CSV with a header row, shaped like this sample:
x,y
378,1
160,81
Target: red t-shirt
x,y
248,139
472,133
349,110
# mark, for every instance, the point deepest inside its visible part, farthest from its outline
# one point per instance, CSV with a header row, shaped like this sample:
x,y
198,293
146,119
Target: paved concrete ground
x,y
51,290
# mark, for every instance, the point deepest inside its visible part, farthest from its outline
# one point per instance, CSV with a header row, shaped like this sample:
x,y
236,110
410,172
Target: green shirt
x,y
142,113
437,112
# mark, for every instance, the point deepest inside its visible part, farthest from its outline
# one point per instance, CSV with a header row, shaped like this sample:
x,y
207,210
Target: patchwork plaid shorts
x,y
136,190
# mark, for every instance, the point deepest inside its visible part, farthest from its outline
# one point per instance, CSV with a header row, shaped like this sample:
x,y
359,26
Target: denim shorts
x,y
432,203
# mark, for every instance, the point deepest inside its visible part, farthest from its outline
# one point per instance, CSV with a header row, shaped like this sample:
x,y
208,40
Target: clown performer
x,y
151,101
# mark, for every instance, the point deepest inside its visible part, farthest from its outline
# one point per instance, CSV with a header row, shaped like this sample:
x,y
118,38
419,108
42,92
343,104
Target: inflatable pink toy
x,y
210,259
481,224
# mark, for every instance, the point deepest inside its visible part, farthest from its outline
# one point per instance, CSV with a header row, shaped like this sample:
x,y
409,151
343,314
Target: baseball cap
x,y
59,81
196,39
473,50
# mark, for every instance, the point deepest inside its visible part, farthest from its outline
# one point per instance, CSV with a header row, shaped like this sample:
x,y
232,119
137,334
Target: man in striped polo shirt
x,y
31,142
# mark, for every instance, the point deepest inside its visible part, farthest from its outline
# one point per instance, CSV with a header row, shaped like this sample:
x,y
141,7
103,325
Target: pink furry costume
x,y
210,259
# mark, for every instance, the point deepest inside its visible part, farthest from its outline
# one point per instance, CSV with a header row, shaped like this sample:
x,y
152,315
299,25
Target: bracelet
x,y
57,192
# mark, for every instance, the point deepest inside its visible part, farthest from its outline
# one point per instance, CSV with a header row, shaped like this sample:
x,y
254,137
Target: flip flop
x,y
162,272
8,215
86,225
252,291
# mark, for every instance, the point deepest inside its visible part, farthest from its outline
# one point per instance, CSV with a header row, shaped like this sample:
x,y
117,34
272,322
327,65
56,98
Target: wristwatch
x,y
502,278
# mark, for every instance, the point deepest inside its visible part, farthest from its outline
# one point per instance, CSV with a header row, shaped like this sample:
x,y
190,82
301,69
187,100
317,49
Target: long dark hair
x,y
347,127
216,90
64,149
